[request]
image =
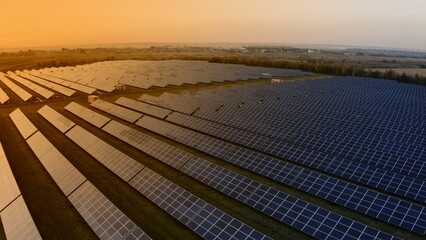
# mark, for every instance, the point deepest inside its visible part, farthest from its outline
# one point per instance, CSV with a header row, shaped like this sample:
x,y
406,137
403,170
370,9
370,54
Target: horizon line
x,y
320,46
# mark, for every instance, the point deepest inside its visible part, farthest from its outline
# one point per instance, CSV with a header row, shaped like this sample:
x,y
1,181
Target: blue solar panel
x,y
299,214
228,182
369,175
206,144
229,133
203,218
340,192
368,131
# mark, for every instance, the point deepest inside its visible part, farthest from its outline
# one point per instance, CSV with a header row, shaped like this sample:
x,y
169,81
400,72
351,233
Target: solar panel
x,y
185,108
231,134
123,113
25,127
17,221
368,134
103,216
403,214
238,192
59,88
158,149
122,165
358,198
62,123
24,95
88,80
317,129
3,97
143,107
126,168
8,188
62,171
92,117
206,144
76,86
201,217
36,88
246,190
410,187
145,74
12,205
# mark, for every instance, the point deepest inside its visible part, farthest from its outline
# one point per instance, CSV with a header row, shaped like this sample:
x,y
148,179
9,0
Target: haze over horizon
x,y
379,23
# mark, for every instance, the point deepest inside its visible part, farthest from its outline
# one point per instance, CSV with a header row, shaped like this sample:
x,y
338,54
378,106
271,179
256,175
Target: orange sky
x,y
387,23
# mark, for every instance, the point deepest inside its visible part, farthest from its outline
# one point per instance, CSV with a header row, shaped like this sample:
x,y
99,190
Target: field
x,y
36,59
56,218
411,71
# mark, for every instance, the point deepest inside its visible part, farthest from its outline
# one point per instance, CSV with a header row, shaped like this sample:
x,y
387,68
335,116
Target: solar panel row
x,y
242,157
326,128
200,216
143,107
122,165
123,113
3,97
381,206
390,182
95,82
238,193
155,148
387,208
24,95
158,149
235,135
21,227
34,87
167,102
66,176
365,174
62,123
128,169
12,204
106,220
299,214
8,187
294,121
81,193
277,120
25,126
66,83
144,74
59,88
95,118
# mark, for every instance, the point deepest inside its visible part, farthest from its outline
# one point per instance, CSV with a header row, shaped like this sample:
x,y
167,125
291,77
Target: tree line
x,y
325,68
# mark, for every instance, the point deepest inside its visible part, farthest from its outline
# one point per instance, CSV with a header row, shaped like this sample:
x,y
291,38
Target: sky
x,y
380,23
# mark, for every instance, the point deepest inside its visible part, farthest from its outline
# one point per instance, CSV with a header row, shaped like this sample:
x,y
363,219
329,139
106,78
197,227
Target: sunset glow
x,y
382,23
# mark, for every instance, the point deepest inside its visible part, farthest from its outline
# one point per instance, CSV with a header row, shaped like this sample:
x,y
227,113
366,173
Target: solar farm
x,y
198,150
